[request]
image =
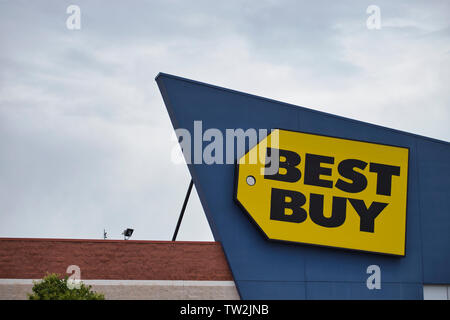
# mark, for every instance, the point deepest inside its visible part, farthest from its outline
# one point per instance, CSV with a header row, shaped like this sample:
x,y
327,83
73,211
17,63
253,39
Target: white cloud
x,y
84,134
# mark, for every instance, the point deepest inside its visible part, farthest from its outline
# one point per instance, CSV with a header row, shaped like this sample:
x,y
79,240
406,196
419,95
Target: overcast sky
x,y
85,139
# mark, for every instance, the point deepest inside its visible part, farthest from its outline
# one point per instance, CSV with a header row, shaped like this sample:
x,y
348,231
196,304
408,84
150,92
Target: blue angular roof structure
x,y
269,270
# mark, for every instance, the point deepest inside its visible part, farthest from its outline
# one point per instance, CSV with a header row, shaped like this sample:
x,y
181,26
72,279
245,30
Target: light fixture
x,y
127,233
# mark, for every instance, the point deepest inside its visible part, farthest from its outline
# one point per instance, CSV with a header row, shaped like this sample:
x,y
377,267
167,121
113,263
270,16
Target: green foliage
x,y
53,287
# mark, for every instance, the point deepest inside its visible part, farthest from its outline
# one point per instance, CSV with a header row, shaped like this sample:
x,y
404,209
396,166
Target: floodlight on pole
x,y
127,233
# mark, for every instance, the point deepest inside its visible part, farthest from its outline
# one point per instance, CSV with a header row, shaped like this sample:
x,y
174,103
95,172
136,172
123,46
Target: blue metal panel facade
x,y
268,270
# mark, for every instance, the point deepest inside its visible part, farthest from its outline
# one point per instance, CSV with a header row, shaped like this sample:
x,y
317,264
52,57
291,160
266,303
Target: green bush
x,y
54,287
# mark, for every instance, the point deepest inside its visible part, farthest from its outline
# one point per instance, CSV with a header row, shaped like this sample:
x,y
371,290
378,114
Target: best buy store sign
x,y
328,191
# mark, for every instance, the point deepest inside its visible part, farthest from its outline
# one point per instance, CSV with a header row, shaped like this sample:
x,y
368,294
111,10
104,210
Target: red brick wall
x,y
113,259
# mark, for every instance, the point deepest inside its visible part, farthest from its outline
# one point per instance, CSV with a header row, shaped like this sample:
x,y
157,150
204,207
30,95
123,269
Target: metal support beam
x,y
182,210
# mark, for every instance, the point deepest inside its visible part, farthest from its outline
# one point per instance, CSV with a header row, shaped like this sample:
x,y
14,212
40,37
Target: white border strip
x,y
173,283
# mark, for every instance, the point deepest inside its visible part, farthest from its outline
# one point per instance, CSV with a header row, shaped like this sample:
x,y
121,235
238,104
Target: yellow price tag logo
x,y
327,191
